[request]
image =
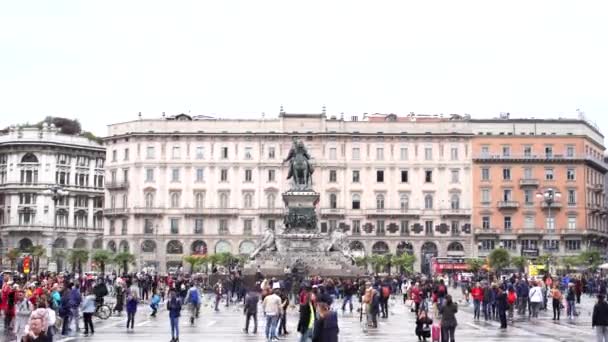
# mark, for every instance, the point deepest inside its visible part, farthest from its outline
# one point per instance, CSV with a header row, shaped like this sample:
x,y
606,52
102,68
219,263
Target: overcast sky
x,y
104,61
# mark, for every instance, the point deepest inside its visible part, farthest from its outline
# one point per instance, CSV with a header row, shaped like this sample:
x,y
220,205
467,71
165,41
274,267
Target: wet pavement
x,y
227,324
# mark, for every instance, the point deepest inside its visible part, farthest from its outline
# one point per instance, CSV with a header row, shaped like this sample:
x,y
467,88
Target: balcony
x,y
148,211
596,187
271,212
455,212
511,205
115,211
554,205
218,212
534,231
529,182
117,185
391,213
486,231
46,228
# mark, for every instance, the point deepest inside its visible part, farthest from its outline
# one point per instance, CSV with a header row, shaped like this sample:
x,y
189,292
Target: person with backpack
x,y
375,307
423,326
441,292
193,299
386,294
599,319
511,301
174,306
557,297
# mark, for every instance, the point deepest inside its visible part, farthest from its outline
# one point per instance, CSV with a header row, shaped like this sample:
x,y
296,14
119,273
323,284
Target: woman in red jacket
x,y
477,294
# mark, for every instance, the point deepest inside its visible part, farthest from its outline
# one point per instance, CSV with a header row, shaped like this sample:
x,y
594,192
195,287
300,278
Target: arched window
x,y
124,246
380,201
149,200
98,220
246,247
29,158
80,219
175,247
25,245
199,200
98,244
333,201
223,200
248,200
61,218
148,246
404,202
80,243
356,201
223,246
380,247
112,246
271,199
455,247
455,201
175,200
428,201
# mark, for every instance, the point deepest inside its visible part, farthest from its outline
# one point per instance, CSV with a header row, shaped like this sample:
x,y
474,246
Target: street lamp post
x,y
57,192
549,197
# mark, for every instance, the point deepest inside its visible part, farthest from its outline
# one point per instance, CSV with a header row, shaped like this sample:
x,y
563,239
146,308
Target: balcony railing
x,y
486,231
117,185
540,157
508,205
47,228
333,211
392,212
115,211
455,212
148,211
554,205
529,182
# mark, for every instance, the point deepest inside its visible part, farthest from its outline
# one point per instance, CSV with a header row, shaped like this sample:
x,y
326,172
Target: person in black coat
x,y
599,319
326,327
502,305
307,313
423,326
251,311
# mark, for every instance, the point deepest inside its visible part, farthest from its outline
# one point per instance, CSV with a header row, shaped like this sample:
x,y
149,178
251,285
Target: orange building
x,y
538,187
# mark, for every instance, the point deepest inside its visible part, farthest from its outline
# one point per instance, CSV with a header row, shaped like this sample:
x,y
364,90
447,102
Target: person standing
x,y
272,311
88,309
556,295
448,319
131,309
306,322
284,305
511,301
423,326
120,297
536,299
571,299
326,327
154,303
251,311
523,292
174,306
37,328
502,305
219,291
349,291
599,319
477,294
416,296
23,310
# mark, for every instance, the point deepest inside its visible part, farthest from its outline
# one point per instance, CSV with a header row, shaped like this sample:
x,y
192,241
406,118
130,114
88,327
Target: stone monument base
x,y
324,264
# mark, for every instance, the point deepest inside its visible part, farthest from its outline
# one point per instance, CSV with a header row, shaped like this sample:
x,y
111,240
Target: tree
x,y
124,259
77,257
37,252
102,258
475,264
570,261
520,262
65,126
194,261
13,255
499,259
592,259
362,261
379,262
405,262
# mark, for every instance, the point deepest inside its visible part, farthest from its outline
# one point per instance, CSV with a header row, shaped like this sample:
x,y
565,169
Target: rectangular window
x,y
528,197
333,176
380,230
506,151
176,152
356,153
223,227
428,153
404,176
148,226
271,224
507,195
248,175
549,151
403,154
379,153
380,176
549,174
271,175
428,227
507,221
125,175
506,174
527,151
247,227
529,222
569,151
333,155
454,153
551,245
198,226
404,227
224,153
485,174
248,153
509,244
485,196
271,152
571,197
455,176
223,175
356,227
200,152
570,174
485,151
126,156
528,173
485,222
174,225
550,223
488,245
356,175
114,155
571,222
149,175
150,152
200,175
573,245
428,176
333,225
175,175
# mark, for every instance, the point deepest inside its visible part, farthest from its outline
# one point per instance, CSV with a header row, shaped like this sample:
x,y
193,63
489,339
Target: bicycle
x,y
102,311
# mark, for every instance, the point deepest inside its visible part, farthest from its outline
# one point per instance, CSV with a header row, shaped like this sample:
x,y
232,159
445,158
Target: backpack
x,y
386,292
194,296
511,297
441,290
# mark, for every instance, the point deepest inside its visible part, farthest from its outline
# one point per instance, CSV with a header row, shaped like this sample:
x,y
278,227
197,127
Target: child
x,y
131,310
154,303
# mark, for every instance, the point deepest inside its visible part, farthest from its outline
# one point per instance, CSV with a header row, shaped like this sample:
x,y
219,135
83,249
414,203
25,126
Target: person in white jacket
x,y
536,299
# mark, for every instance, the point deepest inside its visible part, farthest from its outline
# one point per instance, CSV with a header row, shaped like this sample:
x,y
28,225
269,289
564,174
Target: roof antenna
x,y
281,111
323,111
139,115
163,115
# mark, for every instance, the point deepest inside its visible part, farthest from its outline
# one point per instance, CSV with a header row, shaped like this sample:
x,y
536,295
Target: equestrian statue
x,y
300,168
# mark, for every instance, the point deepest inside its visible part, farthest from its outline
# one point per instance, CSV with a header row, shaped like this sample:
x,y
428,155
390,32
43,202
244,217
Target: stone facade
x,y
32,161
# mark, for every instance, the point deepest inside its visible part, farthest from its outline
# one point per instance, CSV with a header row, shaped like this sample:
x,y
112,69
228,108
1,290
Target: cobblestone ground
x,y
227,324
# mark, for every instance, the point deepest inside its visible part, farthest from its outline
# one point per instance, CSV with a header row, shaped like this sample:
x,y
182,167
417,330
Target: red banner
x,y
26,265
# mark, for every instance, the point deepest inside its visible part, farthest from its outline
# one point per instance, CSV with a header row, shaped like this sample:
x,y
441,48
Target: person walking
x,y
251,311
272,311
416,296
154,303
488,298
174,306
326,327
523,292
284,305
193,299
385,296
219,291
349,291
120,297
536,299
511,301
556,303
307,317
23,310
423,326
502,305
448,319
131,309
571,299
599,319
477,293
88,309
